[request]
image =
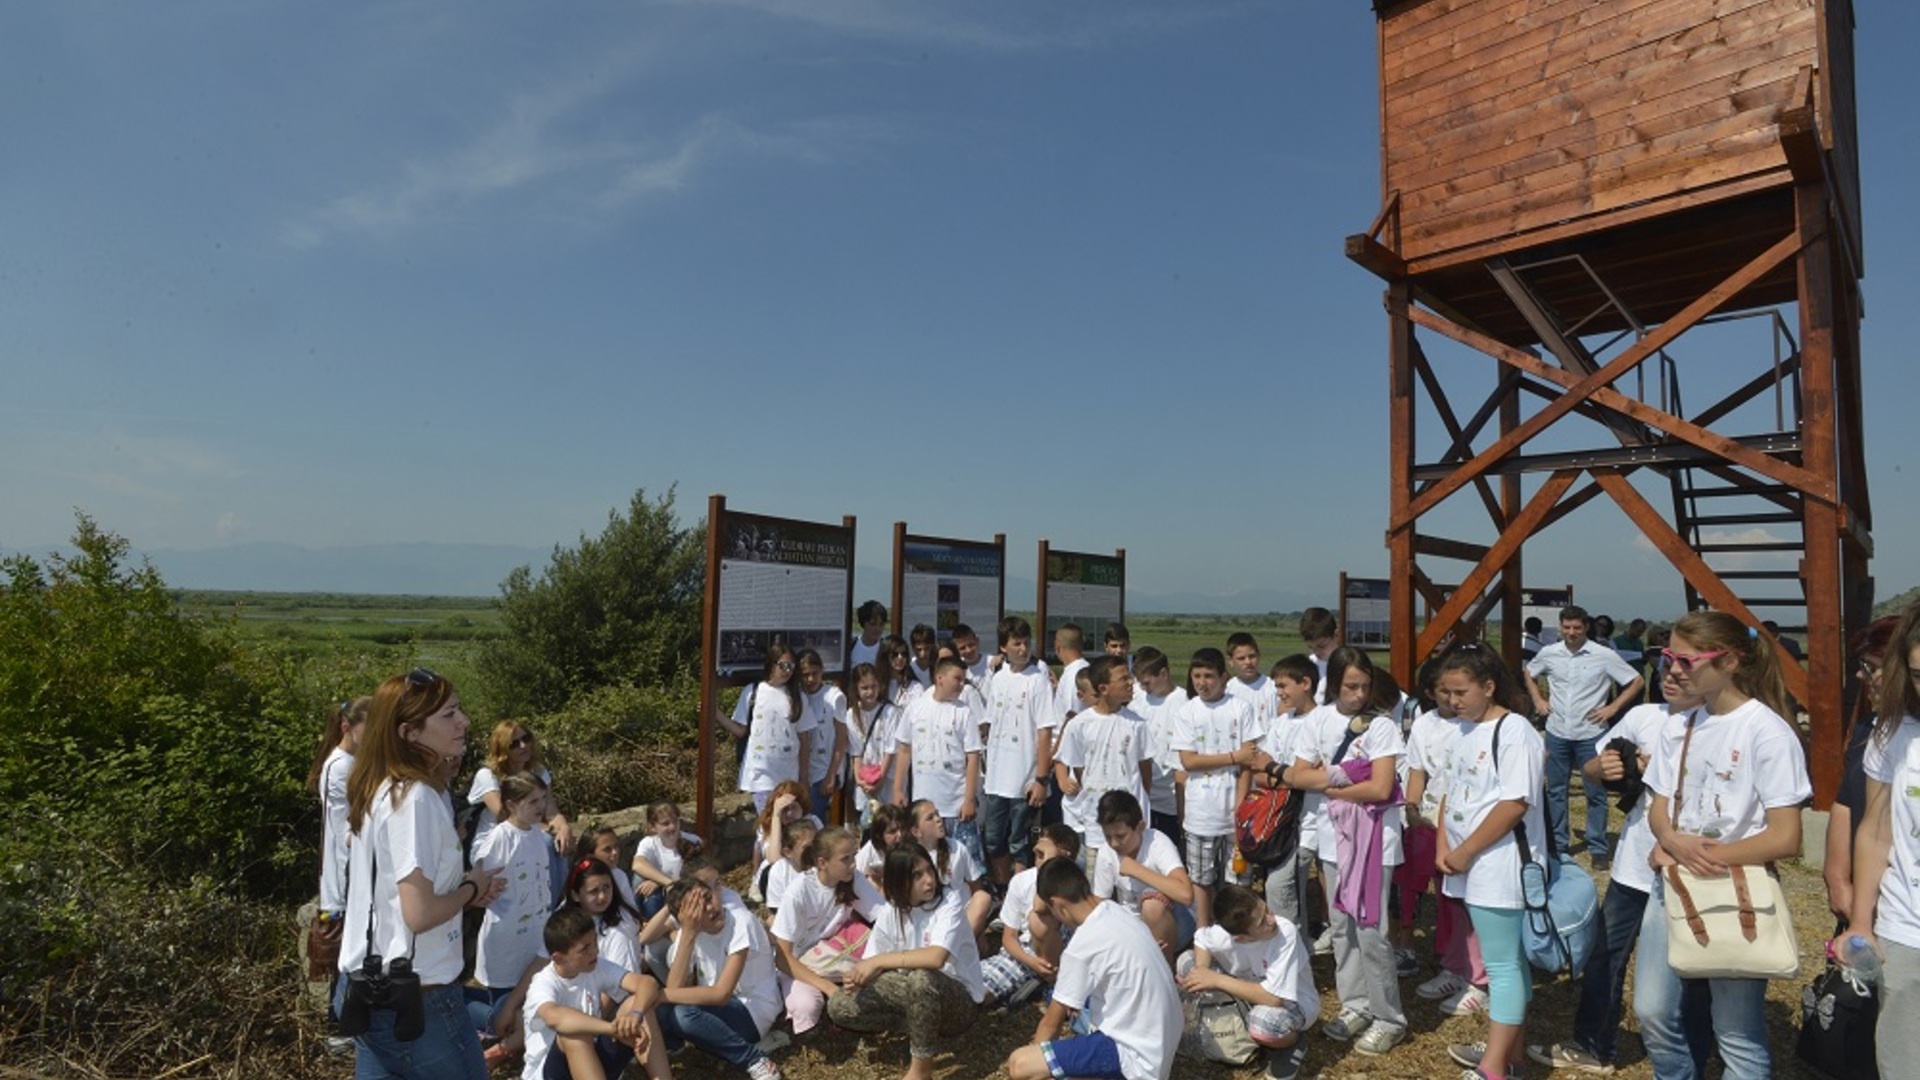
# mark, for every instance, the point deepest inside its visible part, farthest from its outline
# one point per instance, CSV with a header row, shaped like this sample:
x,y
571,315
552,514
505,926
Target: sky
x,y
433,272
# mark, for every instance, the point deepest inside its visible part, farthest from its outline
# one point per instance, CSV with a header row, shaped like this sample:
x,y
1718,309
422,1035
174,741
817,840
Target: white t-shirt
x,y
1162,714
416,835
1019,704
1641,725
1429,749
665,858
829,708
1737,767
1475,784
620,943
773,737
811,911
1578,683
863,653
1157,853
486,783
781,875
1260,695
759,987
511,933
1113,971
876,744
580,993
334,830
943,924
1105,750
1279,964
1221,726
1897,765
1320,736
869,860
942,734
1066,695
1278,744
960,873
1016,908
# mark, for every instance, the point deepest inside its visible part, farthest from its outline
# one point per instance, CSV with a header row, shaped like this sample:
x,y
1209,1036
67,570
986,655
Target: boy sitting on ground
x,y
1258,957
567,1038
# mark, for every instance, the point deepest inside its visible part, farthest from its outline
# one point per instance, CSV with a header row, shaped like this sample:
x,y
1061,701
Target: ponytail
x,y
1758,675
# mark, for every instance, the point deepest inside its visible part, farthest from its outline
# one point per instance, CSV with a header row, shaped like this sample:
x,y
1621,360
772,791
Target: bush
x,y
622,608
621,746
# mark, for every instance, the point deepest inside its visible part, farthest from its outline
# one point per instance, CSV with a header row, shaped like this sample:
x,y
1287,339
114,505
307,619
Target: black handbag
x,y
1838,1013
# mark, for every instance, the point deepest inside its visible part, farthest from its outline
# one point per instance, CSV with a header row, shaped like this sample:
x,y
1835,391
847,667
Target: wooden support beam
x,y
1574,502
1400,449
1582,389
1825,674
1462,441
1376,258
1482,575
1794,476
1692,566
1441,547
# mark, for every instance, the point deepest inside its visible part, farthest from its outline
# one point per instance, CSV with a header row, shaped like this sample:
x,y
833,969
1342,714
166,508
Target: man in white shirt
x,y
1588,685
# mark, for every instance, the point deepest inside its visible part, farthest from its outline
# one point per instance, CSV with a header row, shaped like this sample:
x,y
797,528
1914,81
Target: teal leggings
x,y
1509,979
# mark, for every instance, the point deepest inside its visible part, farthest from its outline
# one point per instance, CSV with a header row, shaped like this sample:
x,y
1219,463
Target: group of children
x,y
1091,838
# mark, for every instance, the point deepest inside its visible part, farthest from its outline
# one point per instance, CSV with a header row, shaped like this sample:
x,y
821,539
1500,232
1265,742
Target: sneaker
x,y
1466,1002
764,1069
1444,985
1602,864
1348,1024
1405,964
773,1040
1323,945
339,1047
1285,1064
1569,1055
1468,1054
1380,1038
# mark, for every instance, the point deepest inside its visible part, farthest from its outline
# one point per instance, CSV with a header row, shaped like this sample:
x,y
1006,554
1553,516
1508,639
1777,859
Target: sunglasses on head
x,y
1688,661
421,677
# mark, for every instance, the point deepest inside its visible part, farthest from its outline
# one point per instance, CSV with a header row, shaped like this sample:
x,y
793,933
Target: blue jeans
x,y
822,801
484,1006
1565,757
725,1031
1006,828
1739,1010
1596,1021
968,833
447,1050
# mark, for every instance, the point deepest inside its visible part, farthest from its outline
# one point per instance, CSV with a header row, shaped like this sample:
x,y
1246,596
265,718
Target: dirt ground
x,y
983,1051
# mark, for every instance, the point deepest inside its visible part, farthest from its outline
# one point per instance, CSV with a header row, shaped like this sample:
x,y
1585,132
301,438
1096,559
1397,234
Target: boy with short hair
x,y
1118,642
871,618
1018,749
1249,683
566,1037
1104,749
939,755
1113,973
1321,632
1015,973
966,646
1141,869
1159,702
1215,737
925,643
1069,645
1295,679
1258,957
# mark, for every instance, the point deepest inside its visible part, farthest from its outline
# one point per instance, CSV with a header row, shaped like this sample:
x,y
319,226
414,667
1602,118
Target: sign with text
x,y
781,580
1088,590
1365,614
946,583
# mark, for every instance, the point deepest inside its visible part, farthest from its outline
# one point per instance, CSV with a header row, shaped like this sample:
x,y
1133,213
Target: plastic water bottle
x,y
1860,958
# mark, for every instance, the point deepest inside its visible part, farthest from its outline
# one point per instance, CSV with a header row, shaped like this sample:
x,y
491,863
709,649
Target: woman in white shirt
x,y
332,763
1886,857
922,966
1727,779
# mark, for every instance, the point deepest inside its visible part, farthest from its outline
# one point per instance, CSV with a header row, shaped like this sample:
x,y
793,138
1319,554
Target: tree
x,y
622,608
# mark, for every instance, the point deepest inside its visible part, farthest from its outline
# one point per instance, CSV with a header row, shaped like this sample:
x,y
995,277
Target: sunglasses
x,y
1688,661
422,678
523,740
785,665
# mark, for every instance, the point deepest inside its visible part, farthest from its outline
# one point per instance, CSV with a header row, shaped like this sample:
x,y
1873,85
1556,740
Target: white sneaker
x,y
1444,985
1380,1038
1466,1002
774,1039
1349,1023
764,1069
1323,945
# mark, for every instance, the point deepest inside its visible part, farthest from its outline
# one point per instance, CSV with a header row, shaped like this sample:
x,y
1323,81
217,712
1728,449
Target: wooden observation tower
x,y
1579,189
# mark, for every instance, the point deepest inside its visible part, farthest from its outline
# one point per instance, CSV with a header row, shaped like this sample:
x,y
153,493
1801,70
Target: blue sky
x,y
340,274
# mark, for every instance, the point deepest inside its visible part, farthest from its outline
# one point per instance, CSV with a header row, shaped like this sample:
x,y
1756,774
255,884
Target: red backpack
x,y
1266,824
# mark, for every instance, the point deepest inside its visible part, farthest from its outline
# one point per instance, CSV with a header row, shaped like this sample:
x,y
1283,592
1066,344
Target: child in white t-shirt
x,y
827,721
1021,721
889,826
1016,972
519,851
1104,749
1293,684
566,1035
1111,972
782,872
722,992
954,861
939,752
1159,702
1140,869
658,859
1257,957
868,739
1728,781
1460,987
831,900
1216,738
1487,795
1249,683
1350,755
590,887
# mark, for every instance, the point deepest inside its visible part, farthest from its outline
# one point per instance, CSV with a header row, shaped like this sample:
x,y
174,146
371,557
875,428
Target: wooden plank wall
x,y
1500,116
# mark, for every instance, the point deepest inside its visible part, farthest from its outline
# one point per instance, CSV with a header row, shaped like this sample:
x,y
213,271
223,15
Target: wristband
x,y
476,890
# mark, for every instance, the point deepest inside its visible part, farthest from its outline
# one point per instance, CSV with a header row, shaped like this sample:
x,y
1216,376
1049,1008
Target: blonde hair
x,y
500,747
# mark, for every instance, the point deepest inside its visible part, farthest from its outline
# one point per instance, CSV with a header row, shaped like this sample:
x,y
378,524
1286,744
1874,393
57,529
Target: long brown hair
x,y
1758,674
1898,700
339,719
400,704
